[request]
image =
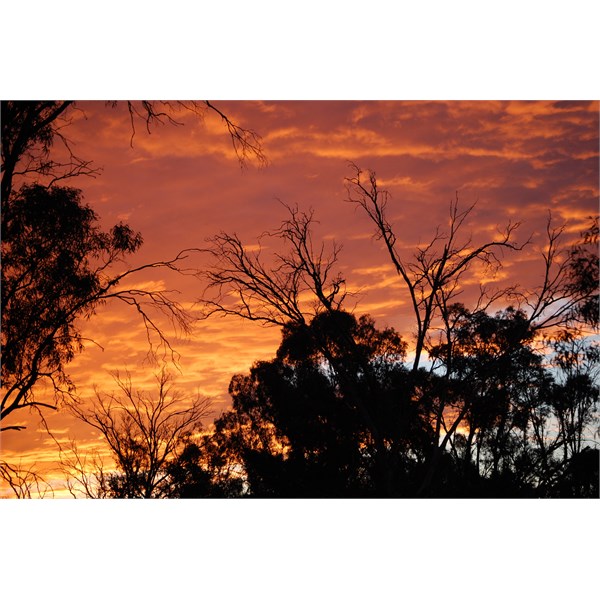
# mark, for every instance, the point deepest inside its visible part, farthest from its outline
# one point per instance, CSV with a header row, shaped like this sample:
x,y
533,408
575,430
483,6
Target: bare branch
x,y
142,433
554,302
432,279
274,292
246,142
25,483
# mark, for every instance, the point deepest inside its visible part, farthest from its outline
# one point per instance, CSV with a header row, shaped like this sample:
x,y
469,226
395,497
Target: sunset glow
x,y
180,185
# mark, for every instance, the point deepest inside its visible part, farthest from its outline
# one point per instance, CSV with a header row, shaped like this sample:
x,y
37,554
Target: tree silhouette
x,y
567,295
575,397
583,276
274,291
298,428
198,473
495,366
58,266
29,131
143,434
326,417
24,482
432,275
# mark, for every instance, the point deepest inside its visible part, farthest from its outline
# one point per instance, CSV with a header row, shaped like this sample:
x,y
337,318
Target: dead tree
x,y
292,286
141,433
24,483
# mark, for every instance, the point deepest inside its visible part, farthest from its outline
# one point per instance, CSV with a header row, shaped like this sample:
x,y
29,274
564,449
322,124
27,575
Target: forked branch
x,y
294,284
433,275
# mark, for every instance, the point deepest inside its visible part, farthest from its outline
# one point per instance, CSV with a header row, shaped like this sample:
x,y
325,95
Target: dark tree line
x,y
339,413
368,426
501,406
505,407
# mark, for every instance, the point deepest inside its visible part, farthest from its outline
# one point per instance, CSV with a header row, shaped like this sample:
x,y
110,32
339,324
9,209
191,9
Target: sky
x,y
181,185
314,50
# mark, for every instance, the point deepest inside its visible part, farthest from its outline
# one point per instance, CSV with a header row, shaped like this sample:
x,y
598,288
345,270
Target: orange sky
x,y
181,185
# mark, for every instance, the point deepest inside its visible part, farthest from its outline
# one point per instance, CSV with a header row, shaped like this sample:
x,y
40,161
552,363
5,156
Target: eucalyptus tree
x,y
58,266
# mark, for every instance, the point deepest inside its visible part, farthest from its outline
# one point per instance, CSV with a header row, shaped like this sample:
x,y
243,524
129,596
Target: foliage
x,y
55,268
583,276
314,422
58,266
308,423
491,404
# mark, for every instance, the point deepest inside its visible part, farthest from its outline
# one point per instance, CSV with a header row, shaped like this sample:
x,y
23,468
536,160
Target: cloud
x,y
182,185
